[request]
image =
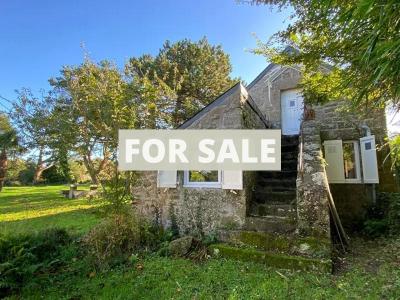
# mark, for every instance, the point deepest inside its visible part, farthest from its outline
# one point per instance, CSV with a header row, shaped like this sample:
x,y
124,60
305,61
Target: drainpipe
x,y
368,133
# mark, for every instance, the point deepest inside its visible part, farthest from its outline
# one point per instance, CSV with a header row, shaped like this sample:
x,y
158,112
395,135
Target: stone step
x,y
290,244
279,261
289,155
280,210
289,164
270,224
264,188
289,182
290,148
272,196
284,174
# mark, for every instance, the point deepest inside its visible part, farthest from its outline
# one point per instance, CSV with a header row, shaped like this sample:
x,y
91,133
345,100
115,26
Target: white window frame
x,y
197,184
357,162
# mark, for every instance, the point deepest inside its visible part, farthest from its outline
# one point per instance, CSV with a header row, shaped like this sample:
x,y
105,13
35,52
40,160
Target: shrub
x,y
119,236
116,191
394,214
384,216
24,257
376,227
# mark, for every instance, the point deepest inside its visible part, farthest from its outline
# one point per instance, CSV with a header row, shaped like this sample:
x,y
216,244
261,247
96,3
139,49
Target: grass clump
x,y
119,236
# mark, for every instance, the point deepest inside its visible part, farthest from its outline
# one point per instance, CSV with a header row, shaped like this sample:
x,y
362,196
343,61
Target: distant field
x,y
27,209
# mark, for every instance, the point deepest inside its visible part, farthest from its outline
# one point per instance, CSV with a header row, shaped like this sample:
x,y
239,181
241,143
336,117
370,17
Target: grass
x,y
370,271
29,209
165,278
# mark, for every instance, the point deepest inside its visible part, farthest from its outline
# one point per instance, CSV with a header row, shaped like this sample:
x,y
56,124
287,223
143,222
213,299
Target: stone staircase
x,y
268,235
273,208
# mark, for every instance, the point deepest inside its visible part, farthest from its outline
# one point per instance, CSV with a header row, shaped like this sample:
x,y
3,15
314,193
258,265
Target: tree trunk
x,y
91,169
37,174
3,168
38,169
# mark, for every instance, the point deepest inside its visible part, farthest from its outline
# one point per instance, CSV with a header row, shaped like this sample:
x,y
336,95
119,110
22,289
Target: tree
x,y
32,117
191,74
93,103
348,49
8,144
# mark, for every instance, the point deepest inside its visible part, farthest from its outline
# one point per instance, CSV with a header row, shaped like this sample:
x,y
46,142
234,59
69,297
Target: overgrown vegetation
x,y
24,258
125,257
120,236
383,218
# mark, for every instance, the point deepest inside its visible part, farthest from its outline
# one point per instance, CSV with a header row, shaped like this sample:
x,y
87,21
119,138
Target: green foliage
x,y
117,191
370,272
55,174
22,258
15,166
9,143
118,237
384,217
347,49
189,74
93,103
26,175
78,171
394,214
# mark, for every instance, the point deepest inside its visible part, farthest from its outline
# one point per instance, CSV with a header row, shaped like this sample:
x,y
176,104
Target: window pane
x,y
349,159
203,176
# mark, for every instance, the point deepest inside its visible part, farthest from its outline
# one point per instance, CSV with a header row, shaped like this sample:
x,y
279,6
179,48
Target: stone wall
x,y
312,196
204,210
268,99
336,122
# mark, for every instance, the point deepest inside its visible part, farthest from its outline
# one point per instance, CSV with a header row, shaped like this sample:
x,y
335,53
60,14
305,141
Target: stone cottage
x,y
290,203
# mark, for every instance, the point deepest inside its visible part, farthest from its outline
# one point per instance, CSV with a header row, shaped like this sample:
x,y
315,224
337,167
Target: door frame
x,y
282,108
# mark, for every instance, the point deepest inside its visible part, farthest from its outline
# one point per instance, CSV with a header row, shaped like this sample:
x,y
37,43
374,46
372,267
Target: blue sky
x,y
39,37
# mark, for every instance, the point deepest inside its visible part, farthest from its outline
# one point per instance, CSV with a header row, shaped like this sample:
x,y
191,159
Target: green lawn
x,y
27,209
370,271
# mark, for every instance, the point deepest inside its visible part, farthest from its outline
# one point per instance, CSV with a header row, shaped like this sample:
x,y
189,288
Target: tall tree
x,y
359,39
31,115
93,103
8,144
194,72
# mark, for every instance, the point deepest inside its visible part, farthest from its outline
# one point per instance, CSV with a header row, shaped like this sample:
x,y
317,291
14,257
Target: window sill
x,y
207,186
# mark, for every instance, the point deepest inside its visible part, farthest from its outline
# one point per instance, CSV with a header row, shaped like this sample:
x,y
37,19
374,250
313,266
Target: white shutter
x,y
334,160
166,179
232,180
368,158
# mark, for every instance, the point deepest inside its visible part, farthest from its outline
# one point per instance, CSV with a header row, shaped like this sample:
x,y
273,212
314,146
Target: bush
x,y
119,236
394,214
384,216
24,257
376,227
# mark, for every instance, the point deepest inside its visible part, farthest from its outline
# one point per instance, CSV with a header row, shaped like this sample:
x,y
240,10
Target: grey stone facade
x,y
336,122
312,194
204,210
266,90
